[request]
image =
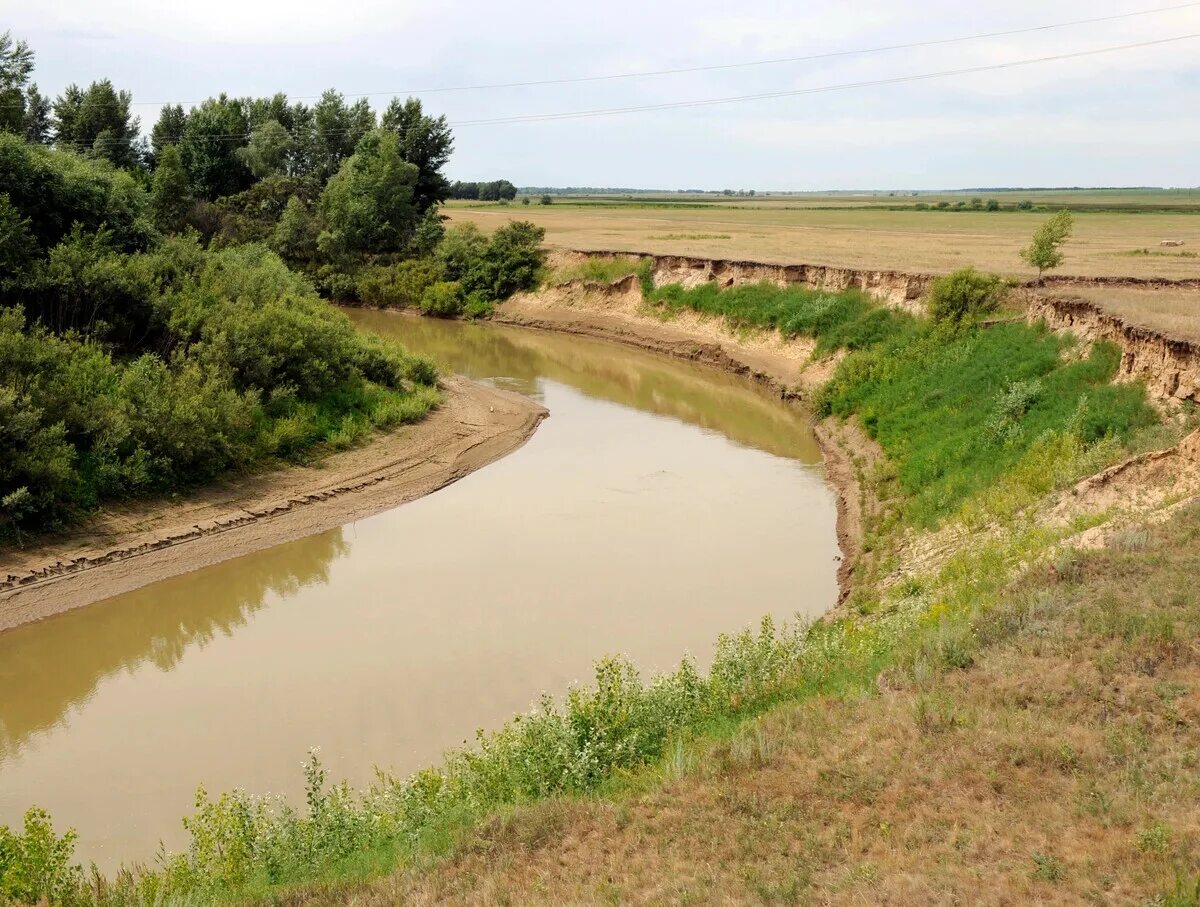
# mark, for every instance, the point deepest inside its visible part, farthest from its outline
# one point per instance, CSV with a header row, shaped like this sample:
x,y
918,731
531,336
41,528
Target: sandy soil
x,y
127,547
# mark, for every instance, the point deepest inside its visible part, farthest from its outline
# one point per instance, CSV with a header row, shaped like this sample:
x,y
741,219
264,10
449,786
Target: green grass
x,y
849,319
956,407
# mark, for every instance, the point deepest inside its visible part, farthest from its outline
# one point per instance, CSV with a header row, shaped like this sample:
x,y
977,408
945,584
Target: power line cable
x,y
827,55
677,105
703,102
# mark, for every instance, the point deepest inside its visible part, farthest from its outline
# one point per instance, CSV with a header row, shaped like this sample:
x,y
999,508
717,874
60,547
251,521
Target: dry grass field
x,y
1175,313
793,231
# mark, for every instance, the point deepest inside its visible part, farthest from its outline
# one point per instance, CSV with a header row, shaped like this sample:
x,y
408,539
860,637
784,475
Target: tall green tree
x,y
209,148
16,65
426,143
368,204
98,122
336,131
168,130
39,128
171,190
295,237
1044,252
269,150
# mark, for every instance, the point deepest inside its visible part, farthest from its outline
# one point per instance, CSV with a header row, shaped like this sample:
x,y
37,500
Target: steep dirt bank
x,y
1170,366
898,289
613,312
125,548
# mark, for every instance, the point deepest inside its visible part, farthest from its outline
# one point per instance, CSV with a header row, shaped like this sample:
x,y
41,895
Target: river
x,y
661,504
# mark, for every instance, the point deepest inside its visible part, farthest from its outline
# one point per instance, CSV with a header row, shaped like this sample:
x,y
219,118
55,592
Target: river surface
x,y
660,505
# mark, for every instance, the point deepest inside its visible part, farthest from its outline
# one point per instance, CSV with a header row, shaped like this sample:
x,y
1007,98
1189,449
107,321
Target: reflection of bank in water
x,y
48,667
730,405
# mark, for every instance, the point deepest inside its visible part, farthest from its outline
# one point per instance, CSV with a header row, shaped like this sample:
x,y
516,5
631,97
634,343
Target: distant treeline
x,y
484,192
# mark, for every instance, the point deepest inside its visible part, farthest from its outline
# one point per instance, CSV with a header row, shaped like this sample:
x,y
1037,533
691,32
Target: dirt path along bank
x,y
124,548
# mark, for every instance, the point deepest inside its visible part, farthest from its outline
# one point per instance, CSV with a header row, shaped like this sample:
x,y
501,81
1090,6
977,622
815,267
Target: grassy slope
x,y
1060,766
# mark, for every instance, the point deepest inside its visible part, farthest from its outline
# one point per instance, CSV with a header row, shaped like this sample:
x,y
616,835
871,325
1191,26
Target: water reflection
x,y
48,667
694,394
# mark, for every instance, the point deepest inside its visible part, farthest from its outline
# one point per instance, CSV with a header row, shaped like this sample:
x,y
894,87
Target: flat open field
x,y
831,230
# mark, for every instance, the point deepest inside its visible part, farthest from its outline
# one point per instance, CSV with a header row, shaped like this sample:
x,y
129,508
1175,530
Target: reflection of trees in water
x,y
47,667
698,396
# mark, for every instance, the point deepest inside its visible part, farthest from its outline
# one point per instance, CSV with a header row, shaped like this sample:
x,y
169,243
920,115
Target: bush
x,y
494,267
35,865
443,299
211,361
966,293
401,285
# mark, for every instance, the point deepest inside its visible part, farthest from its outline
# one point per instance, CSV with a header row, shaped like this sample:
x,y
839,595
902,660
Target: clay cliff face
x,y
895,288
1170,367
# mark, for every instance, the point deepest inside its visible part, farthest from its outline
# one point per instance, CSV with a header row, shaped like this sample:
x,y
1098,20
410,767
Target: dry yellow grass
x,y
1062,767
1174,312
913,241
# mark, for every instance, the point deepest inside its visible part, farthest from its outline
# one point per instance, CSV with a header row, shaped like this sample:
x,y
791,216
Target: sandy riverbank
x,y
124,548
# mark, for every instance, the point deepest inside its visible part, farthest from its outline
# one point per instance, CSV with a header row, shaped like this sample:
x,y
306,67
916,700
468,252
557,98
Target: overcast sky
x,y
1126,118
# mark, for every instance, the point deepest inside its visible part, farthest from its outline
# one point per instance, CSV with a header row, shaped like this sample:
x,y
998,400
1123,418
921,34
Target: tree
x,y
171,190
17,245
16,63
208,146
38,126
295,237
168,130
425,142
335,132
98,122
368,204
1045,251
268,151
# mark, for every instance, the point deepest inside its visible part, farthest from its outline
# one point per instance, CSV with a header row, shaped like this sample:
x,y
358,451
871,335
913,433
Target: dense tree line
x,y
484,192
159,312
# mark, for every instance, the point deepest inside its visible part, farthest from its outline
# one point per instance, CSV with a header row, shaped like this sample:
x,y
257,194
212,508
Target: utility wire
x,y
706,102
677,105
936,42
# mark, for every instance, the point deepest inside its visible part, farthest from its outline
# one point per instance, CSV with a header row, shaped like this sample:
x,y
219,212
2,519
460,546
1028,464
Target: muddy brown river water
x,y
660,505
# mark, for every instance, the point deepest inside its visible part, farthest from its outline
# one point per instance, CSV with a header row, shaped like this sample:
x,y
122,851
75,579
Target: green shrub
x,y
401,285
496,266
35,864
443,299
966,293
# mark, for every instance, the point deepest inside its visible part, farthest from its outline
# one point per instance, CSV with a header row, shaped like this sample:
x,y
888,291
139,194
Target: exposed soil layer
x,y
128,547
1169,365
